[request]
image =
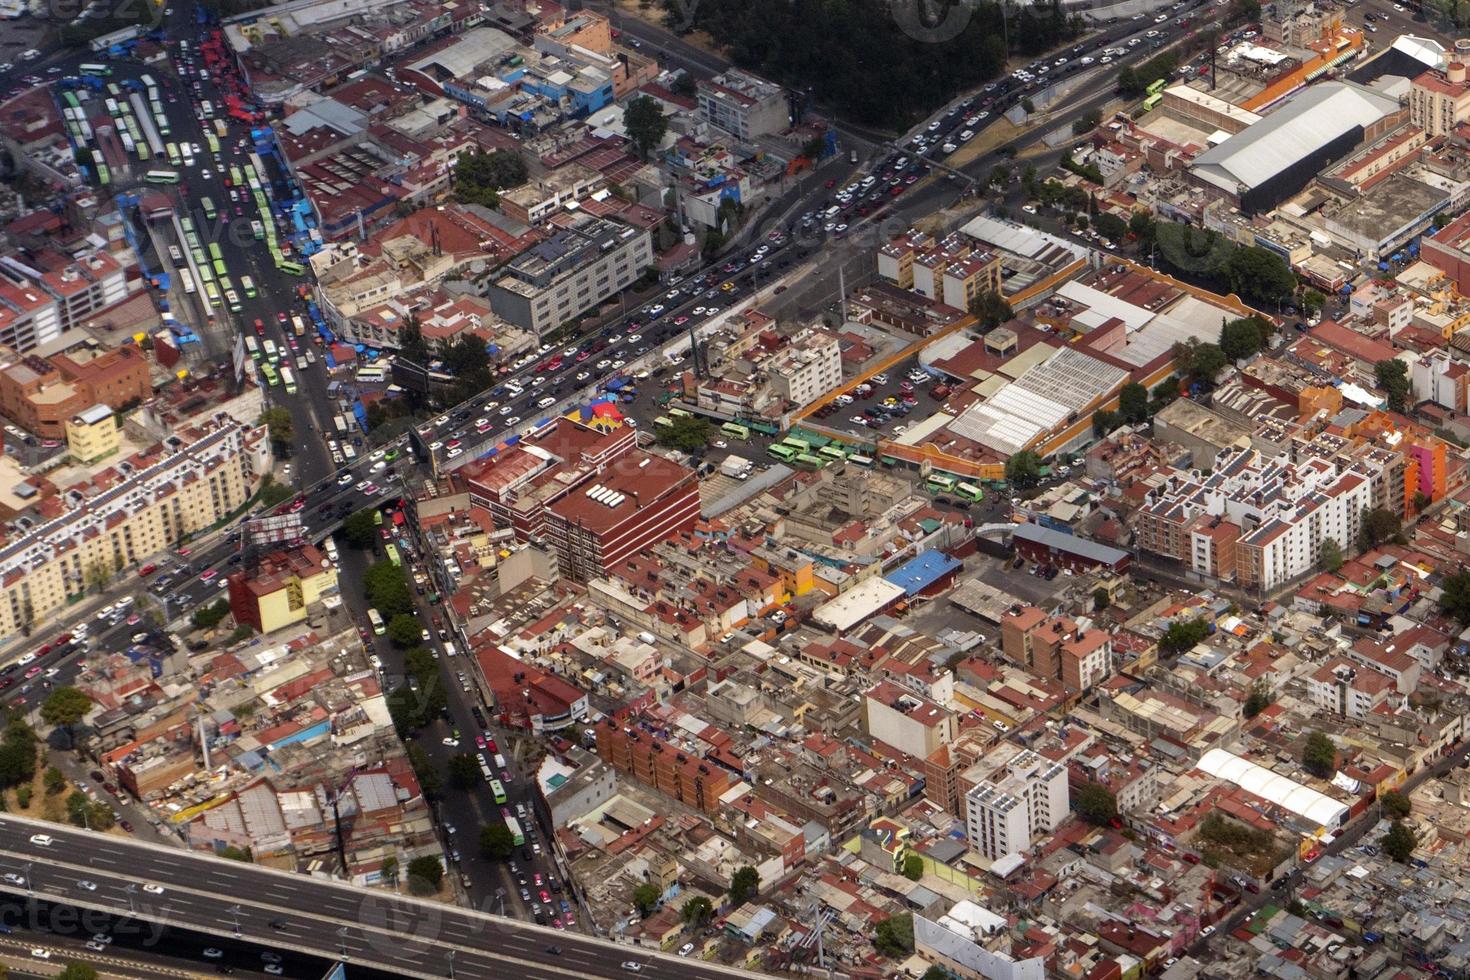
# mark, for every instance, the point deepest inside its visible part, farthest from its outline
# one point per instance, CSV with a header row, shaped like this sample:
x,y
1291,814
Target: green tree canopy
x,y
425,875
645,898
1023,469
1181,636
359,528
1244,337
1095,803
1319,755
1329,555
479,177
464,771
208,617
496,842
1258,700
404,630
698,911
1395,804
1133,403
690,434
77,971
990,309
1377,526
644,120
1392,376
913,867
232,853
1399,842
1199,362
1100,599
65,706
744,885
1260,274
281,429
1454,596
894,937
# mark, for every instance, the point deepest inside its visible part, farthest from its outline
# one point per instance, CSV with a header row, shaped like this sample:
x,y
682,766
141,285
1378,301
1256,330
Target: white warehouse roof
x,y
1306,124
1312,806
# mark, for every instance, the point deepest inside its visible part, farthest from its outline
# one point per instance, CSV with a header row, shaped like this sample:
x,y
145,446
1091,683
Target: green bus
x,y
226,283
735,431
211,291
806,461
377,518
104,176
498,791
215,253
663,420
211,141
269,370
1152,102
783,453
392,552
968,491
161,177
235,179
102,70
379,627
257,229
1156,86
291,268
832,451
172,151
209,212
681,413
219,268
939,483
800,445
248,285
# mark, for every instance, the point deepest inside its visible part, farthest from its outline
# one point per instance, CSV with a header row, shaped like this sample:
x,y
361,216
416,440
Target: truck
x,y
737,467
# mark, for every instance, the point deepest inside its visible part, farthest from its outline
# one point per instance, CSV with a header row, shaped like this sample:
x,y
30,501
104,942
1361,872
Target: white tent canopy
x,y
1305,802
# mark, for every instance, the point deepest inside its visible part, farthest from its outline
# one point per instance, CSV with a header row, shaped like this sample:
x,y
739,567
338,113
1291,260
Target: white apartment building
x,y
1023,799
742,105
810,367
39,304
906,721
197,477
1348,690
974,943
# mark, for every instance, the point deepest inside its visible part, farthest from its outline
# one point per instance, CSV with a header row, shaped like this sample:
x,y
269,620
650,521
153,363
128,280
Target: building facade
x,y
1024,799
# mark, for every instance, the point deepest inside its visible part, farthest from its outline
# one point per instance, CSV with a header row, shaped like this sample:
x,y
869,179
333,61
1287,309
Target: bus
x,y
161,177
664,421
235,179
783,453
104,176
807,461
939,483
271,353
1150,103
211,142
863,461
1156,86
172,152
735,431
221,129
681,413
796,445
219,268
377,518
271,378
379,627
212,291
226,283
257,229
498,791
102,70
252,347
341,423
370,375
832,451
288,378
248,285
232,300
298,325
514,826
291,268
215,252
968,491
187,280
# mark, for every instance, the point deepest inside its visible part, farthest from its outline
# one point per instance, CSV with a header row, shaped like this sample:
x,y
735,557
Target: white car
x,y
632,967
41,954
513,420
153,889
42,840
214,954
546,402
88,886
581,376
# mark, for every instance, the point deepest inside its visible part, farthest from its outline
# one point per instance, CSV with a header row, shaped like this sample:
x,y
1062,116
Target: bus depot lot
x,y
890,419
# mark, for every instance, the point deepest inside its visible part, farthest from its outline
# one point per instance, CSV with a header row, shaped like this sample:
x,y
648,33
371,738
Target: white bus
x,y
187,281
370,374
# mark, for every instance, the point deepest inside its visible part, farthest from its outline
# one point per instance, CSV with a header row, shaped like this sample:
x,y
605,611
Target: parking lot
x,y
889,403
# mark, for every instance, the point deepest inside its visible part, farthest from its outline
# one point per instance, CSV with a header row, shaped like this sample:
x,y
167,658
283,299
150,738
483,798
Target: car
x,y
102,938
277,924
513,420
686,949
274,969
14,879
270,956
1207,931
214,953
95,946
208,575
554,950
42,840
629,965
86,885
450,741
41,953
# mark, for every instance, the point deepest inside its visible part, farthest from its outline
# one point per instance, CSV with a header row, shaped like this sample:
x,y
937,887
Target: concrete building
x,y
585,261
280,589
742,105
1347,689
536,200
92,434
809,367
1024,798
973,943
42,298
675,771
1440,100
42,395
195,478
907,721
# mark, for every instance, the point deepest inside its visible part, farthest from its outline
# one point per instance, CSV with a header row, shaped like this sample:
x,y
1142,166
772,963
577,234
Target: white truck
x,y
736,466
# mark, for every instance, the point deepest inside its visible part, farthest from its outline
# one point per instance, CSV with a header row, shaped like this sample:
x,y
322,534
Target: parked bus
x,y
104,176
968,491
211,142
939,483
663,420
783,453
187,281
1152,102
232,300
226,283
271,377
221,129
832,451
498,791
257,229
291,268
212,291
298,325
215,252
172,152
288,378
1156,86
252,347
271,354
796,445
863,461
102,70
735,431
341,423
370,375
248,284
379,627
161,177
235,179
681,413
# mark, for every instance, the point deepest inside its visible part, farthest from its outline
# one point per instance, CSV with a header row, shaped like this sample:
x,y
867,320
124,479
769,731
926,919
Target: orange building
x,y
686,777
41,395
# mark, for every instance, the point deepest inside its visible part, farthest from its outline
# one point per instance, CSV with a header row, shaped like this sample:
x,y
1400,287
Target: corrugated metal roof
x,y
1303,126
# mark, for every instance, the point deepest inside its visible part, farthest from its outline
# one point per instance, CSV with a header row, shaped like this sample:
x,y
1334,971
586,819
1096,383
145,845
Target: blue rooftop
x,y
919,573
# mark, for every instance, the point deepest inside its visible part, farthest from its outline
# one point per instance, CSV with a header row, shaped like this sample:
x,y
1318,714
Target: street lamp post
x,y
342,937
29,890
234,911
132,890
450,954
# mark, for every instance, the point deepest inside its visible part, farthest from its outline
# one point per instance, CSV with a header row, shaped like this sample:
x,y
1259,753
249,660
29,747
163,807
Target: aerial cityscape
x,y
712,489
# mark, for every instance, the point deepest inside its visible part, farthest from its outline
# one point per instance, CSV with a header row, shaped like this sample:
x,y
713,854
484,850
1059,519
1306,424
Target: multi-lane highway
x,y
240,910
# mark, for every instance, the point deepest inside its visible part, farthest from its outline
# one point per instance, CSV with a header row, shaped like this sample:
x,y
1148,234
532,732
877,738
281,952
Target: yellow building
x,y
279,590
793,569
92,434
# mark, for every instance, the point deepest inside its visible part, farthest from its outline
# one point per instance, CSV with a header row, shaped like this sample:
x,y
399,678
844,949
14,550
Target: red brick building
x,y
685,776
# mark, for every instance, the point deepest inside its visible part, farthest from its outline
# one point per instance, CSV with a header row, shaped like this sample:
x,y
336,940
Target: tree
x,y
1100,599
895,936
430,781
1395,804
1392,376
1329,557
389,871
1182,636
1243,338
1024,469
1095,804
54,780
1258,700
1141,226
684,85
479,177
208,617
688,434
496,841
359,528
937,972
1259,273
1133,403
97,575
644,120
645,898
282,430
425,875
744,885
64,707
1000,175
913,867
1319,755
697,912
990,309
1399,842
1199,362
1454,596
1312,301
77,971
1377,526
233,853
1110,226
403,630
464,771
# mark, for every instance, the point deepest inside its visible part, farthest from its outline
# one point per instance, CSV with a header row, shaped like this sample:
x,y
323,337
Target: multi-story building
x,y
1347,689
43,395
907,721
809,367
536,200
585,261
742,105
951,270
43,298
195,478
1056,647
672,770
92,434
1257,521
1024,797
1440,100
279,590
